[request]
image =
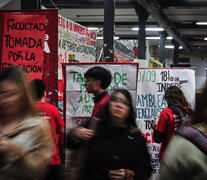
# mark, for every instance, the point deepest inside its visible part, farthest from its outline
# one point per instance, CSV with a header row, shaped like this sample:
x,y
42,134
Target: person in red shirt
x,y
51,113
97,80
170,118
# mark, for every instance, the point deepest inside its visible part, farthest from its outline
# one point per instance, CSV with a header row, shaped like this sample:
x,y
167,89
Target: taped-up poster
x,y
152,84
23,43
78,103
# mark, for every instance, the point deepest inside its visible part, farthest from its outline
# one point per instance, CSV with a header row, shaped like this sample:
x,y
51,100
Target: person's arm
x,y
160,130
59,121
79,134
144,168
159,136
61,130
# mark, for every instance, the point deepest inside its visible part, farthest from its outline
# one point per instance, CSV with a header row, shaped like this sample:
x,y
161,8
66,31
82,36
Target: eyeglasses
x,y
116,99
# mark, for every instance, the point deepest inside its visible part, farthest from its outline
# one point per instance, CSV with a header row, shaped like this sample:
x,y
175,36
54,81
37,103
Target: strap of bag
x,y
177,111
194,136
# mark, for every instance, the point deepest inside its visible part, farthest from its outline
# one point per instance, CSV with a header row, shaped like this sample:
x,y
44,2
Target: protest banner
x,y
122,53
78,103
75,42
33,34
23,43
152,84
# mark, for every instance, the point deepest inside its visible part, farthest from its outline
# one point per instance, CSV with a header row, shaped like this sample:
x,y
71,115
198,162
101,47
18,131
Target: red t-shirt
x,y
51,113
100,101
168,123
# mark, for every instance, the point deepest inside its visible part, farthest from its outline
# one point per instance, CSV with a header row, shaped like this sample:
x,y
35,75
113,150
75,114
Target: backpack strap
x,y
177,111
198,138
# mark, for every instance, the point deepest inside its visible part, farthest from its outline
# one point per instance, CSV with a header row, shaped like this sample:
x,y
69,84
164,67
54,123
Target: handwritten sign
x,y
122,53
79,103
152,84
75,42
23,43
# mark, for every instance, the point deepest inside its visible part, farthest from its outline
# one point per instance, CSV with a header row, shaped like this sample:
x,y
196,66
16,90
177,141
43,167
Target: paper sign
x,y
23,43
152,84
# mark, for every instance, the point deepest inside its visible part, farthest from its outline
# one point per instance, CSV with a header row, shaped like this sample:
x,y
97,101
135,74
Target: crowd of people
x,y
106,146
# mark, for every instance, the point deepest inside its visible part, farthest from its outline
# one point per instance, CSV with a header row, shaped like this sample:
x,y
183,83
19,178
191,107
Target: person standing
x,y
170,119
186,154
97,81
116,149
51,113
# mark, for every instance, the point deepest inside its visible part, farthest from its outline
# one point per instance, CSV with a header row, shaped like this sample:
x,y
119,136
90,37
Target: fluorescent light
x,y
172,47
154,29
169,38
101,37
157,37
205,38
135,29
153,37
149,29
201,23
169,46
92,28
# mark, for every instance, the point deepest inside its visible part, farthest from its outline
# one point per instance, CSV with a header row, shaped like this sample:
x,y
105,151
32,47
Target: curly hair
x,y
175,97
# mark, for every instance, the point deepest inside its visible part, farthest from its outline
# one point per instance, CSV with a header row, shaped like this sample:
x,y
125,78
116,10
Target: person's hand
x,y
119,174
5,145
83,133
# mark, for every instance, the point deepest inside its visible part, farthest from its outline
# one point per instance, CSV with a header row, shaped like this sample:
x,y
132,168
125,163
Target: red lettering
x,y
61,22
75,28
152,138
148,137
83,31
67,25
87,32
79,30
71,26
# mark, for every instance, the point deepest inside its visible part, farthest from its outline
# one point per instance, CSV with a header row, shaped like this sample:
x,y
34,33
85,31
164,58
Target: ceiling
x,y
177,17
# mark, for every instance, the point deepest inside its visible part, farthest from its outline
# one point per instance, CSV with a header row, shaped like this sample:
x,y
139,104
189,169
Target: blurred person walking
x,y
116,149
170,118
186,155
51,113
25,142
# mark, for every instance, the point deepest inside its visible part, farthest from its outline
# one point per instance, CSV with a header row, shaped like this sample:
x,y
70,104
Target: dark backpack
x,y
184,117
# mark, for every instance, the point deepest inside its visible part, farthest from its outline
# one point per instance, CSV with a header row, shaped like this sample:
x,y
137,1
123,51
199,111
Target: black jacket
x,y
116,148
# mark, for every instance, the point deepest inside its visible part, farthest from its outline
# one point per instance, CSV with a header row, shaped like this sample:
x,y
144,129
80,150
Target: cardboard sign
x,y
23,43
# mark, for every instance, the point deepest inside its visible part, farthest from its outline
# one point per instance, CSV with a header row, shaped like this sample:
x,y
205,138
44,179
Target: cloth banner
x,y
78,103
152,84
75,43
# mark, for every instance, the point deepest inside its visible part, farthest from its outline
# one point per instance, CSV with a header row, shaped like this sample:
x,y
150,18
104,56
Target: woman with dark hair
x,y
170,118
186,155
25,143
116,150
